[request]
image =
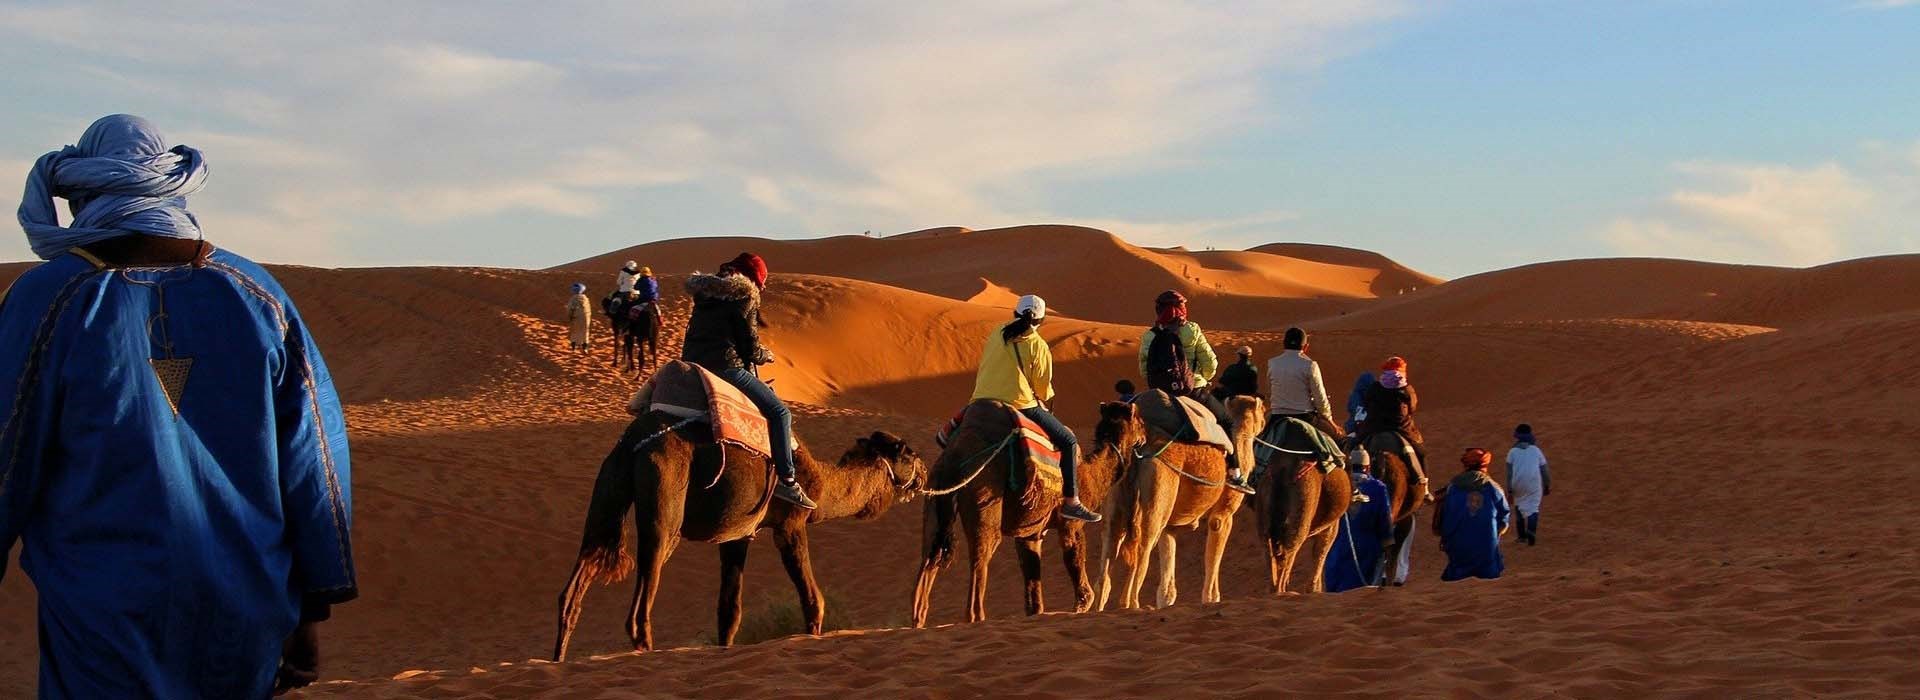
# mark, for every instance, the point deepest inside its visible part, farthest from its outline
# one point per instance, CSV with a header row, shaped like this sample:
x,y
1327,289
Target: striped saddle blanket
x,y
1031,449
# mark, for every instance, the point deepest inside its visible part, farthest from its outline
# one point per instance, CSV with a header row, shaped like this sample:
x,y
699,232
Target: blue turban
x,y
120,179
579,288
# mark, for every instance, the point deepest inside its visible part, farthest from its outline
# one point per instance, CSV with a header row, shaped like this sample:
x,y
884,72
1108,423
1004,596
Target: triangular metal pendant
x,y
172,373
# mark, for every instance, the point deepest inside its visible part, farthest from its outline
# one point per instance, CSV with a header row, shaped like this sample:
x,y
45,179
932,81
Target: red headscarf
x,y
749,265
1395,364
1476,458
1170,308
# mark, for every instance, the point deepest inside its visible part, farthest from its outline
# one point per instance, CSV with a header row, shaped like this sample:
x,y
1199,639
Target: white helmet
x,y
1033,305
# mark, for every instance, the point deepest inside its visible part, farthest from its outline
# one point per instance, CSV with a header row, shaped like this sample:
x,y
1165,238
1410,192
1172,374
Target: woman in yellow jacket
x,y
1016,368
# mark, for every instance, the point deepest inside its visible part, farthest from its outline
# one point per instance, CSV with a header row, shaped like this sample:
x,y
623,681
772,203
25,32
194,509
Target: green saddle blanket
x,y
1281,430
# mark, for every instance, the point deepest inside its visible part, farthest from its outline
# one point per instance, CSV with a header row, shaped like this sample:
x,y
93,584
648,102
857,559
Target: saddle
x,y
1280,429
1183,417
1038,459
689,391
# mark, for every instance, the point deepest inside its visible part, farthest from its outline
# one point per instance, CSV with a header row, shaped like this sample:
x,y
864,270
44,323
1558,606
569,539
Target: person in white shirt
x,y
1294,386
1527,482
623,281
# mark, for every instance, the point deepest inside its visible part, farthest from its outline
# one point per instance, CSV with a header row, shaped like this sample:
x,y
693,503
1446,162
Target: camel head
x,y
1248,415
1120,427
884,450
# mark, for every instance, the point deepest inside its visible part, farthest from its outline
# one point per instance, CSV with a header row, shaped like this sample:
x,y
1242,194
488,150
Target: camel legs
x,y
983,539
1029,550
1218,530
733,568
793,553
570,600
1294,506
1118,519
1169,553
936,527
1150,522
656,546
1073,548
1322,544
1396,556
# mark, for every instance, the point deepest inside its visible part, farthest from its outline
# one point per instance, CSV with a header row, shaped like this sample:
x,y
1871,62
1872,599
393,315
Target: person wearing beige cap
x,y
1240,378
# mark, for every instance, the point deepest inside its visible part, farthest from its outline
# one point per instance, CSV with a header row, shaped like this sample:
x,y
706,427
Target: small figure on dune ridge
x,y
579,319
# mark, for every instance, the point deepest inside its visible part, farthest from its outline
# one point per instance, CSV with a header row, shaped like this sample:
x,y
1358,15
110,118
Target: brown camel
x,y
1300,505
664,477
1390,456
973,472
1176,485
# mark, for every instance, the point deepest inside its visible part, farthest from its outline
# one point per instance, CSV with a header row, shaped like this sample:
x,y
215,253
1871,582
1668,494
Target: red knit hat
x,y
1394,364
749,265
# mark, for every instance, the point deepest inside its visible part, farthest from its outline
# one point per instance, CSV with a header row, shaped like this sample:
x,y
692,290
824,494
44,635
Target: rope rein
x,y
1163,450
663,432
990,453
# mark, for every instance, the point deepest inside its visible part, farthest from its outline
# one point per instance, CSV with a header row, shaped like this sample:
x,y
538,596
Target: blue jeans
x,y
779,420
1063,441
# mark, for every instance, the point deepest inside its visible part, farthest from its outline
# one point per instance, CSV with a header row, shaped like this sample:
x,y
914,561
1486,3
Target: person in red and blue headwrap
x,y
1471,517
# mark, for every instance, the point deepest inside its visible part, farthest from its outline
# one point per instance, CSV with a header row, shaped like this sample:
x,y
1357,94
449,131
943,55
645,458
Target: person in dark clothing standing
x,y
1240,378
723,336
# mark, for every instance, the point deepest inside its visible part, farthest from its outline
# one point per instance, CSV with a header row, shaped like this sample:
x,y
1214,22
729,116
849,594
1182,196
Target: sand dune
x,y
1721,437
1083,272
1657,289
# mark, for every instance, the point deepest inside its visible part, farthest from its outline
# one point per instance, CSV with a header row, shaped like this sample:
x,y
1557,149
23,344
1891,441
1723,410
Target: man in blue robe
x,y
1359,551
1471,517
173,457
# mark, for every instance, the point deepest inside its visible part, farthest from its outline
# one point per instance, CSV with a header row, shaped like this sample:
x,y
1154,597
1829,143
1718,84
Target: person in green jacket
x,y
1174,354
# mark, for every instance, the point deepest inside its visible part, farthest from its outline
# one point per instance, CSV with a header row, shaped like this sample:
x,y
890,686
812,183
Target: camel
x,y
645,329
1391,466
972,473
1300,505
1176,485
663,476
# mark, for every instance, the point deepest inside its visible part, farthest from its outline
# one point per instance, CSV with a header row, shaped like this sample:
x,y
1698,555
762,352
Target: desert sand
x,y
1728,446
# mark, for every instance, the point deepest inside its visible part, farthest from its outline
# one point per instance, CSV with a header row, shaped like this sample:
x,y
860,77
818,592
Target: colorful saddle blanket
x,y
1039,460
688,390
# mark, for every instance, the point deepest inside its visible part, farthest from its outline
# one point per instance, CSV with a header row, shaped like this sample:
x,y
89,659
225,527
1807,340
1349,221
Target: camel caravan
x,y
710,456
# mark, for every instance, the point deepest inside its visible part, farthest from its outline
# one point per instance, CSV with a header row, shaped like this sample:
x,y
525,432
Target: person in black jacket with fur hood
x,y
723,336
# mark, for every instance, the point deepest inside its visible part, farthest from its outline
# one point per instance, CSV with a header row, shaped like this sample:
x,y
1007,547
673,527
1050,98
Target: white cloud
x,y
837,116
1778,214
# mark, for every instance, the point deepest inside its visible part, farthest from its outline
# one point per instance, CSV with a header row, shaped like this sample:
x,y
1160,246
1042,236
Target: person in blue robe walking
x,y
173,457
1359,552
1471,517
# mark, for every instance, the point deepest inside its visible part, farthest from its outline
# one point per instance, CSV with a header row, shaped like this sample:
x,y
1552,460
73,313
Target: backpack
x,y
1167,367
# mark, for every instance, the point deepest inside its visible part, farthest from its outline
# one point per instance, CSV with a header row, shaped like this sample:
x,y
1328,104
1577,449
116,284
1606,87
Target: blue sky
x,y
1458,137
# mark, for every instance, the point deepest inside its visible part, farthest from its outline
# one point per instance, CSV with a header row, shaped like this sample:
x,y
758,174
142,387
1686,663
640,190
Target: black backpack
x,y
1167,368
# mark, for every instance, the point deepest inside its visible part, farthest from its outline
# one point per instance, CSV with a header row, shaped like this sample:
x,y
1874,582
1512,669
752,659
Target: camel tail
x,y
605,554
936,532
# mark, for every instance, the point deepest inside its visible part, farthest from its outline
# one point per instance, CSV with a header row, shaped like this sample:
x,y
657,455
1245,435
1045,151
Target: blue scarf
x,y
1358,396
120,179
